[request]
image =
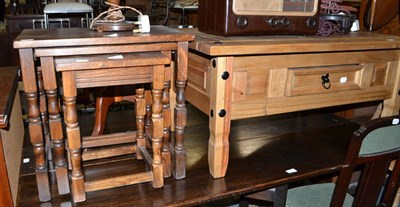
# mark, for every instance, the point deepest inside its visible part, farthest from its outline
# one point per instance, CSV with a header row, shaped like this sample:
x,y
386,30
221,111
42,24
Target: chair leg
x,y
102,105
46,21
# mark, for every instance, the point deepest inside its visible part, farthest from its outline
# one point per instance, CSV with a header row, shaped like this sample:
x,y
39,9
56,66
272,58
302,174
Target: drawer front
x,y
328,79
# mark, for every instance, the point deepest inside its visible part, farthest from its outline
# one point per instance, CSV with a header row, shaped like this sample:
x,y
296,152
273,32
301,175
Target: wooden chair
x,y
374,147
381,16
67,7
106,70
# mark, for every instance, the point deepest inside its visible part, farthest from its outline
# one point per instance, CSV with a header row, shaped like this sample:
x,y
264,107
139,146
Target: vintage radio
x,y
258,17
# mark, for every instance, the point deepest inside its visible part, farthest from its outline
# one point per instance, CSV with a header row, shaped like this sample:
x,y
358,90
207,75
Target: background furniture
x,y
380,16
241,77
48,44
17,23
11,135
67,7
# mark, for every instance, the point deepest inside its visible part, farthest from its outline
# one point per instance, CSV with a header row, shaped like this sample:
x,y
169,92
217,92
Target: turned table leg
x,y
74,137
55,125
45,117
158,125
180,112
166,152
35,123
220,112
140,111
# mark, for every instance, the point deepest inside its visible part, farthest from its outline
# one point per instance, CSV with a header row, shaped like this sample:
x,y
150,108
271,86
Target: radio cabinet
x,y
258,17
240,77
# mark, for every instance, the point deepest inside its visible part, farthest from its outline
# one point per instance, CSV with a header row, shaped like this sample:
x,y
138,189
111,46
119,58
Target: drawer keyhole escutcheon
x,y
326,83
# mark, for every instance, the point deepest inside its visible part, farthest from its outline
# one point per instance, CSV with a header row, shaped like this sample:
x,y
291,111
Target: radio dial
x,y
272,22
242,22
311,22
285,22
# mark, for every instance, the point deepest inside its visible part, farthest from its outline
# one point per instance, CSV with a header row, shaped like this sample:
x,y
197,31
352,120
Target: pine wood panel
x,y
269,85
216,46
304,81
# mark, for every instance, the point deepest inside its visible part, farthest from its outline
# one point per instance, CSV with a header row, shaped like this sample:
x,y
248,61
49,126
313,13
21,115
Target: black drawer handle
x,y
21,26
326,83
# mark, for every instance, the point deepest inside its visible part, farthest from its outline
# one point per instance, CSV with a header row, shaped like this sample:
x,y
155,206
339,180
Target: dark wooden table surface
x,y
8,88
262,149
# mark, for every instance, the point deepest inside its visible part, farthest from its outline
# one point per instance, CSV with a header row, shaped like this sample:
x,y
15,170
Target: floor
x,y
120,119
197,126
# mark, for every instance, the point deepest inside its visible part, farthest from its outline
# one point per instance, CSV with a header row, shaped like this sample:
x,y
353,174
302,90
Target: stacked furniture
x,y
90,59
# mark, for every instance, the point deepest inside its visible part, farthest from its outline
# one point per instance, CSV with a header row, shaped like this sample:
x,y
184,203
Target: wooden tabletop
x,y
246,45
261,150
8,86
60,37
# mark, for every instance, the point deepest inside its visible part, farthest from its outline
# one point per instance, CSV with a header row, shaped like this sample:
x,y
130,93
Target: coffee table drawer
x,y
329,79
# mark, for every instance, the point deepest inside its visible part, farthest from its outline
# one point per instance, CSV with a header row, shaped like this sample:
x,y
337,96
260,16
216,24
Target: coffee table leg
x,y
56,133
392,106
35,123
220,113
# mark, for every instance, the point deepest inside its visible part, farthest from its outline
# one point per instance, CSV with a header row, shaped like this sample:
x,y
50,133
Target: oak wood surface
x,y
30,38
261,150
110,61
87,42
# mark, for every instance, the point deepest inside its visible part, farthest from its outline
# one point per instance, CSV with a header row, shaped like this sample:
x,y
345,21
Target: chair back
x,y
377,13
160,11
376,147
